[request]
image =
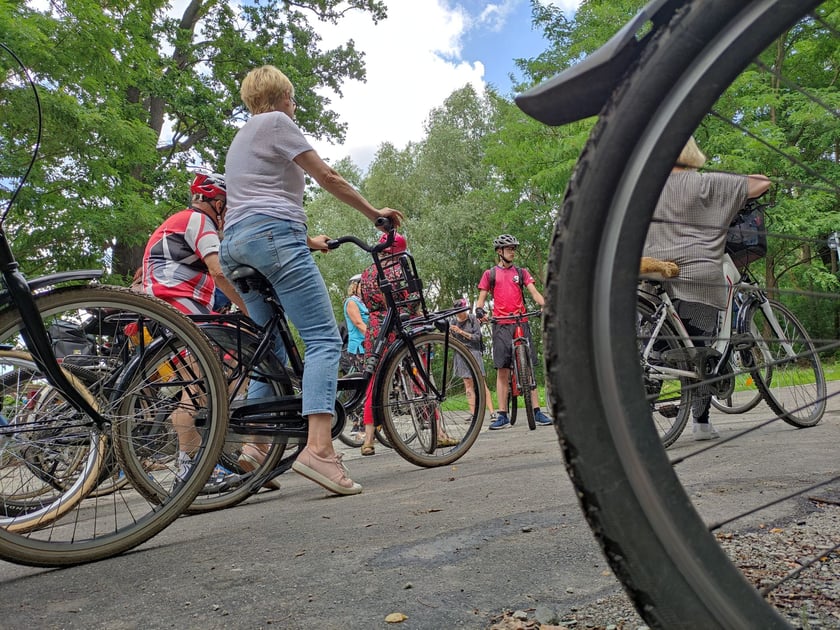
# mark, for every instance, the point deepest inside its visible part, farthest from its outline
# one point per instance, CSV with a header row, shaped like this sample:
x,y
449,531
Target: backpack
x,y
520,281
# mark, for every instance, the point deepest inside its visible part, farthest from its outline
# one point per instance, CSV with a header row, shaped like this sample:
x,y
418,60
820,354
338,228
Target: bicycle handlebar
x,y
518,316
384,223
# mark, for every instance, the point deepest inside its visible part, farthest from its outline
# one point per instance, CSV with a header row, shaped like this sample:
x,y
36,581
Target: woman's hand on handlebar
x,y
394,216
318,243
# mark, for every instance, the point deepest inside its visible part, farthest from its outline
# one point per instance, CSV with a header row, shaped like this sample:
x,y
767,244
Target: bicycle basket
x,y
405,283
746,240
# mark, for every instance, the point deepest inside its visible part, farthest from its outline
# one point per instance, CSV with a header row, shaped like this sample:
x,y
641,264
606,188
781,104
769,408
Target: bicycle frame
x,y
738,284
249,279
520,339
19,294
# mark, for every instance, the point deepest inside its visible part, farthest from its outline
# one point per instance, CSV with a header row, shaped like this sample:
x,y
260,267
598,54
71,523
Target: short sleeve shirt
x,y
689,227
507,292
260,173
173,263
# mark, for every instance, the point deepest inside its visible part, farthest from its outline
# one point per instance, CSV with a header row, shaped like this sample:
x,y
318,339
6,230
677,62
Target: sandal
x,y
368,449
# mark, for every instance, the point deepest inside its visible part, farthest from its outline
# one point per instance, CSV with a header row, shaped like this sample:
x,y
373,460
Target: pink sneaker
x,y
327,472
251,458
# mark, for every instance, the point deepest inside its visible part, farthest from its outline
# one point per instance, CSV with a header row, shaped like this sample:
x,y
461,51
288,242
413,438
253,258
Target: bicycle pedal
x,y
742,341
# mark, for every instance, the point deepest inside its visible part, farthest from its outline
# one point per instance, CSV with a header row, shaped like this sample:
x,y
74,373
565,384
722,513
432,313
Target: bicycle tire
x,y
46,467
236,349
353,433
398,408
789,392
105,526
655,541
669,411
513,403
525,375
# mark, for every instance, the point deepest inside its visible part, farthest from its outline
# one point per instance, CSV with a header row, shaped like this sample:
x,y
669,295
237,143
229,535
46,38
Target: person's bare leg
x,y
489,399
319,438
189,441
535,398
469,390
369,435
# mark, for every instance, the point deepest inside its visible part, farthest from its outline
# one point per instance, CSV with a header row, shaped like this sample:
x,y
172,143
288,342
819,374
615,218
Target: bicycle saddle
x,y
655,269
246,278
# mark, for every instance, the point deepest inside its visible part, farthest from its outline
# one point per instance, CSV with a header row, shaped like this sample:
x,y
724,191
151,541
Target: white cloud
x,y
413,62
567,6
494,16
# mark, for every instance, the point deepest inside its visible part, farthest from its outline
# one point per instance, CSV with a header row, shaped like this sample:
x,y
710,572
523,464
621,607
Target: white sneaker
x,y
704,431
184,466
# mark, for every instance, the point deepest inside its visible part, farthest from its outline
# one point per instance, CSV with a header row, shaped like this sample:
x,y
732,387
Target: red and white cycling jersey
x,y
507,292
173,264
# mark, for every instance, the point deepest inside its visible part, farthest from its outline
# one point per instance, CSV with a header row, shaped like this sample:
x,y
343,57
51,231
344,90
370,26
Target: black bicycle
x,y
418,400
65,430
679,68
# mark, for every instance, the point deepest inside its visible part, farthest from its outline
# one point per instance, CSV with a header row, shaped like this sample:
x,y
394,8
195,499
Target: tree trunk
x,y
127,258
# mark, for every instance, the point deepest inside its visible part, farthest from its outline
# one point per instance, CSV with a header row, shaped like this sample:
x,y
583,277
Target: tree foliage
x,y
133,96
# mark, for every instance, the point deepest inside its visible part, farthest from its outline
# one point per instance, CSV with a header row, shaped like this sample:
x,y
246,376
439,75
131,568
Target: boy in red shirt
x,y
507,288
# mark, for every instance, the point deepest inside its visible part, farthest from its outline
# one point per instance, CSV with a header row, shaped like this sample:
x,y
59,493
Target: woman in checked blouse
x,y
689,228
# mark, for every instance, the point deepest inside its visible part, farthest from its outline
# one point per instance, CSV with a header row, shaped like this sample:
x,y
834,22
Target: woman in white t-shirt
x,y
265,228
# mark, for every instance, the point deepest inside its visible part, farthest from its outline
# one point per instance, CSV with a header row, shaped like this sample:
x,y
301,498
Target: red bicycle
x,y
522,378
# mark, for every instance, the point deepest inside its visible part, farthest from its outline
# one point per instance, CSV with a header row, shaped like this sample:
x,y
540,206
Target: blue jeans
x,y
278,250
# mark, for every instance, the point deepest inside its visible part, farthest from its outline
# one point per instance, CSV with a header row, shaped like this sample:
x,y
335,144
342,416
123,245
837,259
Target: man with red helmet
x,y
181,266
181,261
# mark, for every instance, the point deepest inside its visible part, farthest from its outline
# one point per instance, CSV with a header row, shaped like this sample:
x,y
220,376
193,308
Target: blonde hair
x,y
353,287
263,87
691,156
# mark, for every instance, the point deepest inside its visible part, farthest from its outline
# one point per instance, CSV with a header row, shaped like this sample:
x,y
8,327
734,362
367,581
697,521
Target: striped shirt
x,y
689,228
173,265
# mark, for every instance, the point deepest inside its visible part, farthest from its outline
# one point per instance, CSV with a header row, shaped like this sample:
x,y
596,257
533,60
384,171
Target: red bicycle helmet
x,y
209,185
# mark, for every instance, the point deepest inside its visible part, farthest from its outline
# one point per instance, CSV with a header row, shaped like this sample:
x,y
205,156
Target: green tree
x,y
132,96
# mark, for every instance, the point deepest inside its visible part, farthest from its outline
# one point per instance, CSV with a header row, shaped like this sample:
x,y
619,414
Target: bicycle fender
x,y
582,90
53,279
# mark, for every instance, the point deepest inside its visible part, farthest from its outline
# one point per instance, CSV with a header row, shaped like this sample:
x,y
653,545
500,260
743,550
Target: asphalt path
x,y
450,547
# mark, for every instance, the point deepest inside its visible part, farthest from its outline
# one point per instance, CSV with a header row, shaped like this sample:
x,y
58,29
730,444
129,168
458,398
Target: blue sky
x,y
502,33
424,51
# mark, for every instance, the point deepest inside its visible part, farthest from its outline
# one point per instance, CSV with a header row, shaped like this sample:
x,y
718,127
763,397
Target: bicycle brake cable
x,y
37,140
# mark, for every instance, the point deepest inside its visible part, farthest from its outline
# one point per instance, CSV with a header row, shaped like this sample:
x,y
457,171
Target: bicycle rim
x,y
99,526
424,429
49,458
654,537
796,389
